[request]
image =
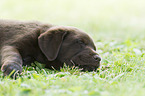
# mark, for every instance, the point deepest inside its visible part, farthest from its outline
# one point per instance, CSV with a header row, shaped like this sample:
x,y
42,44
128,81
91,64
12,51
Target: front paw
x,y
11,70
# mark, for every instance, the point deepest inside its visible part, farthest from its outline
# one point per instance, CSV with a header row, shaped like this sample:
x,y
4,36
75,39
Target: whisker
x,y
72,62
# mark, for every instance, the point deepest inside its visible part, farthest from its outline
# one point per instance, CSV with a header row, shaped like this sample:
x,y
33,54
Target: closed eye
x,y
80,41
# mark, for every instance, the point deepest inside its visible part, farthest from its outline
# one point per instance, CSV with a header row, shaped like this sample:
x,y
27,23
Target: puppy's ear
x,y
50,42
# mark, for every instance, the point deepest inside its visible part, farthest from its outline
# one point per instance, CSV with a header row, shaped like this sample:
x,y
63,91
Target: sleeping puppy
x,y
22,43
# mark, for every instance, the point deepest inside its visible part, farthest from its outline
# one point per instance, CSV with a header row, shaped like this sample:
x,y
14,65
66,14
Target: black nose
x,y
97,58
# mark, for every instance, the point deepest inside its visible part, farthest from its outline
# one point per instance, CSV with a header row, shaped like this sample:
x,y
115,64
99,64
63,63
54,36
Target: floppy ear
x,y
50,42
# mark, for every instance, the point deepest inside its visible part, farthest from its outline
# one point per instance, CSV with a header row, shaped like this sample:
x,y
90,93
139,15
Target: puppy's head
x,y
71,46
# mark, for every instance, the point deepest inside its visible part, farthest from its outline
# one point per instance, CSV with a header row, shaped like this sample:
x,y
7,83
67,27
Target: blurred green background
x,y
102,19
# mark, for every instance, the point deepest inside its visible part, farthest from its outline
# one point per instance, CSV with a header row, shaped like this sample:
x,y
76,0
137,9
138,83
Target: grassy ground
x,y
118,30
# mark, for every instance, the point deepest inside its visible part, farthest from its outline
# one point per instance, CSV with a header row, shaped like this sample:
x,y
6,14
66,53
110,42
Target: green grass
x,y
118,30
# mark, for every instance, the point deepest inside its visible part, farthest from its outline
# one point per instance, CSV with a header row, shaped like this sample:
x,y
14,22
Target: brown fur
x,y
22,43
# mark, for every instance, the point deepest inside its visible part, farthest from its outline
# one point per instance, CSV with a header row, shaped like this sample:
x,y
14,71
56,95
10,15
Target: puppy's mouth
x,y
87,67
87,60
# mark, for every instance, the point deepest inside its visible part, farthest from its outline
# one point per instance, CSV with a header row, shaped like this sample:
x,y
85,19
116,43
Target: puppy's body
x,y
22,43
24,36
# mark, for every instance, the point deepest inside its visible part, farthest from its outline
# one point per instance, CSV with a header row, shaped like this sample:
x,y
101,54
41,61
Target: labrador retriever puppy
x,y
22,43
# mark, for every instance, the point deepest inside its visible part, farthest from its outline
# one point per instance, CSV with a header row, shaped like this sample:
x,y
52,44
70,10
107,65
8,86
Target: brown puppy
x,y
22,43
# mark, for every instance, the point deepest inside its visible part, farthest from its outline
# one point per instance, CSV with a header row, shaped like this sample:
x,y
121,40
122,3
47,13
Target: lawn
x,y
118,30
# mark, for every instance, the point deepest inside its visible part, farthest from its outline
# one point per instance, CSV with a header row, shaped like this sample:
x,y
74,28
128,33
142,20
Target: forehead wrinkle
x,y
79,34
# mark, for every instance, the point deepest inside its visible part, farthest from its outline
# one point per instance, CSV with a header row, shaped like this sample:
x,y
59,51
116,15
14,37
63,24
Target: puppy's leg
x,y
10,60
